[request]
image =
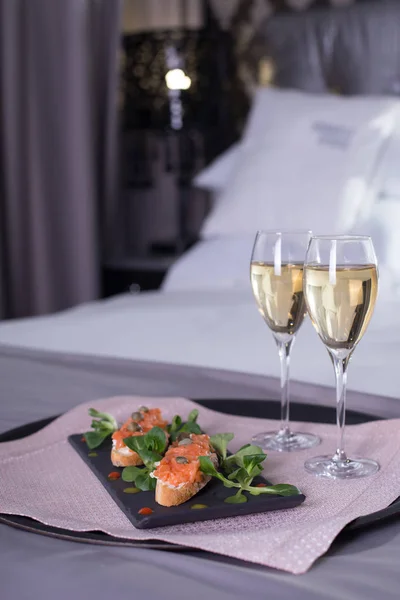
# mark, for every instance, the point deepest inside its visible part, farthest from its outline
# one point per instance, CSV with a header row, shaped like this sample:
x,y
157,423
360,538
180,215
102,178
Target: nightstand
x,y
135,274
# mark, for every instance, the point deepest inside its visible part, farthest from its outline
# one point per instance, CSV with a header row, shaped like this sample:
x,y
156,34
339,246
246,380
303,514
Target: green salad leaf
x,y
103,426
156,440
189,427
151,447
129,474
192,418
174,426
220,443
145,482
208,468
178,427
104,417
239,458
239,470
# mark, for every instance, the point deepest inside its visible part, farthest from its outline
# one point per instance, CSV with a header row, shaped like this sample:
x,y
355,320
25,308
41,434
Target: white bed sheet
x,y
220,329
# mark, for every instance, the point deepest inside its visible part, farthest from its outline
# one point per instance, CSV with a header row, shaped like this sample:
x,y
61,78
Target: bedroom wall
x,y
152,15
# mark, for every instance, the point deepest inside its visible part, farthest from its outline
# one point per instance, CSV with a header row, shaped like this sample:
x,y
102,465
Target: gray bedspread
x,y
35,385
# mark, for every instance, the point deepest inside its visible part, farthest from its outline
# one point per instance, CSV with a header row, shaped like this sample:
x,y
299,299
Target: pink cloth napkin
x,y
44,478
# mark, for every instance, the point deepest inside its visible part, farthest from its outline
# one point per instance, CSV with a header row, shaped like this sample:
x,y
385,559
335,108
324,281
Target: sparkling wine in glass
x,y
340,287
276,273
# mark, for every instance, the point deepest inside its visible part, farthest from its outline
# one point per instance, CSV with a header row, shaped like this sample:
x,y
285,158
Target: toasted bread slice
x,y
167,495
177,480
139,423
120,459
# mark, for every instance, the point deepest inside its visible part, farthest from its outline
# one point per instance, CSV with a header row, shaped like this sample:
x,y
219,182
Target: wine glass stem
x,y
284,348
340,364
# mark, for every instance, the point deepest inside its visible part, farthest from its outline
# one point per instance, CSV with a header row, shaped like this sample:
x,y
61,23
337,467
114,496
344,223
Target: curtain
x,y
58,87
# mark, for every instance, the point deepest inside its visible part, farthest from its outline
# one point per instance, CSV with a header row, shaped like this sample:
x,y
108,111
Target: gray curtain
x,y
58,88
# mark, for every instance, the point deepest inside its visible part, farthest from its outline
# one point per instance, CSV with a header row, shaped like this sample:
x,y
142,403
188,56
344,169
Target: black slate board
x,y
212,495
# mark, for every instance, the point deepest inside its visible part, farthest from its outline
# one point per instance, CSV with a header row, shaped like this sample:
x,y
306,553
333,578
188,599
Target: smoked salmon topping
x,y
181,463
146,421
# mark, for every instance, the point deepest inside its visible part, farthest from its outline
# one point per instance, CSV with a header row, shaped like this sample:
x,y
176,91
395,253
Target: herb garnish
x,y
103,426
151,447
177,427
239,470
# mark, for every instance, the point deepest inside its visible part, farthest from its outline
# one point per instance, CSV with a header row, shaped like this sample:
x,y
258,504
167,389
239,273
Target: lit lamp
x,y
172,20
161,83
176,79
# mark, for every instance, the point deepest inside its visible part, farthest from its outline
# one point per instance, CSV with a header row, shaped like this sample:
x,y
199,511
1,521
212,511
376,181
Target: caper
x,y
134,427
185,442
182,460
136,416
143,409
182,436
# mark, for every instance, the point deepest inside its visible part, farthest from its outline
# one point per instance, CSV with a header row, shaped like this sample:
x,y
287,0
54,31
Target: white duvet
x,y
218,329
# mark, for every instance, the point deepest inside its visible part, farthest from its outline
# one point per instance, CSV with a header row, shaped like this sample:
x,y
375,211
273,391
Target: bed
x,y
201,334
205,315
210,329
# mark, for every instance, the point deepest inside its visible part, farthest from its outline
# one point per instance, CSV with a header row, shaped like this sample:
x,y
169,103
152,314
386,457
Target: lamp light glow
x,y
176,79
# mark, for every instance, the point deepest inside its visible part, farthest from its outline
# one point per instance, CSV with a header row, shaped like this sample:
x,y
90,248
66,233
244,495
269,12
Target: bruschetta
x,y
178,474
139,422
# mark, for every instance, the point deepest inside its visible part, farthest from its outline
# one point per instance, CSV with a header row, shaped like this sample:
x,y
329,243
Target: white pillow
x,y
298,153
222,264
219,264
380,217
388,169
215,177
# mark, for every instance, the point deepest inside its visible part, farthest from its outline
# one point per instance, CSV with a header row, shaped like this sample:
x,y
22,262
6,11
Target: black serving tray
x,y
268,409
211,497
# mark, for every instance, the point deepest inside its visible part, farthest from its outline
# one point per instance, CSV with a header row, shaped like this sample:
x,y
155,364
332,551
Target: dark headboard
x,y
350,50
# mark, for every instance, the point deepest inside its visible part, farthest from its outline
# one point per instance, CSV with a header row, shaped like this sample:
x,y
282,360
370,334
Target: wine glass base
x,y
326,466
285,441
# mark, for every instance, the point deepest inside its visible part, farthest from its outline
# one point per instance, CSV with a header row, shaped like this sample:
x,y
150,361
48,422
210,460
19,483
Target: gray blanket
x,y
35,385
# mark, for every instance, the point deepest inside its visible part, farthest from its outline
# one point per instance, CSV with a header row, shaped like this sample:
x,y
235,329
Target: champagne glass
x,y
340,287
276,273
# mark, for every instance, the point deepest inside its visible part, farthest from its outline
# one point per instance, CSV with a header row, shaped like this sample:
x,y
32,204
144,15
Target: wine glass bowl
x,y
279,296
276,274
340,289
